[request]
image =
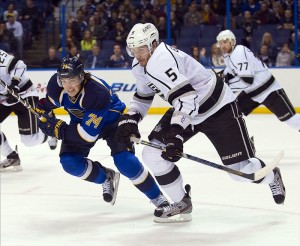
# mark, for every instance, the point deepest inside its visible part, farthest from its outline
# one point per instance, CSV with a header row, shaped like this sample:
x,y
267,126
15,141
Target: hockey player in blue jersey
x,y
94,111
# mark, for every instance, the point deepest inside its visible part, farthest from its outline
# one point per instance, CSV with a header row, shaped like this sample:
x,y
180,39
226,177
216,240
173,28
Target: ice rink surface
x,y
44,206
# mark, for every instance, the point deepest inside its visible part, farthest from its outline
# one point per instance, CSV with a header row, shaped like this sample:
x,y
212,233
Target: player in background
x,y
94,111
13,74
248,75
201,102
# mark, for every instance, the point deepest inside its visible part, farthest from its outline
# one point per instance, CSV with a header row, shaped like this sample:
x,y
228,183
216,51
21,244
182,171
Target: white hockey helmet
x,y
140,35
224,35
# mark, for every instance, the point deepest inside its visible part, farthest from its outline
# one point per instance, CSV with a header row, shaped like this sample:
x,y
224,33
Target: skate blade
x,y
11,169
116,185
179,218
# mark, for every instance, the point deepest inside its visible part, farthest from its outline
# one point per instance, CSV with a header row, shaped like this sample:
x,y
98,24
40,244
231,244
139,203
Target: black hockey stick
x,y
261,173
22,101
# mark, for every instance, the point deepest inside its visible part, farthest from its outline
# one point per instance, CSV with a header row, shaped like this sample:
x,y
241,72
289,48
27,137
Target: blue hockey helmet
x,y
70,68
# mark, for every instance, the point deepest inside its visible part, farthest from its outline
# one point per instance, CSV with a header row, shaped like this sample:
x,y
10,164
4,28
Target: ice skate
x,y
277,187
176,212
110,186
52,143
12,163
160,201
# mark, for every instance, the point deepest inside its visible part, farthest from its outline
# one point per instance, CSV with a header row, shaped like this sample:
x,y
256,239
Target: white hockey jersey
x,y
242,63
178,78
11,68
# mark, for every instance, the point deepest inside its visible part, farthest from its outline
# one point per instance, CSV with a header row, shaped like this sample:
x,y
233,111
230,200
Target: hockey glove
x,y
174,144
42,106
128,126
53,127
14,86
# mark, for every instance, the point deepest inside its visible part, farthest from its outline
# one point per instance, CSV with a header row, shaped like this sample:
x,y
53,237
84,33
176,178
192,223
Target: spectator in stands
x,y
278,11
51,61
288,4
162,28
217,58
128,6
80,19
147,17
180,10
88,9
17,29
218,7
118,33
235,8
264,56
98,31
74,51
132,20
264,15
7,38
287,21
99,16
205,58
74,26
10,10
193,17
251,5
208,16
195,53
70,41
285,56
117,59
112,19
248,25
95,59
267,39
88,41
31,13
156,10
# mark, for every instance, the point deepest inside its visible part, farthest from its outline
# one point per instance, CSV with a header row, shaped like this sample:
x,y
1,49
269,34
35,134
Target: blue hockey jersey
x,y
93,109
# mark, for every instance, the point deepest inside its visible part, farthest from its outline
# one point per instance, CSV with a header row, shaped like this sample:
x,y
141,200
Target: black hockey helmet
x,y
69,68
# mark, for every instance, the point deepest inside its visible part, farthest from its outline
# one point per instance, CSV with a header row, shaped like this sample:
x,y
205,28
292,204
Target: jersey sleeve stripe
x,y
180,91
141,98
262,88
213,98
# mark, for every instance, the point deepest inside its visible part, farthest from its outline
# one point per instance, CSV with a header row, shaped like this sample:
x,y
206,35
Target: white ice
x,y
44,206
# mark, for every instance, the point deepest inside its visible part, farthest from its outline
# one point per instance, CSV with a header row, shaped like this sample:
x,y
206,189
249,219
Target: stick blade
x,y
269,167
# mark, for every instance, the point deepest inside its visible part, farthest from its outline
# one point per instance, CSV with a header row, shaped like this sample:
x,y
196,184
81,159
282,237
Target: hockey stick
x,y
22,101
251,176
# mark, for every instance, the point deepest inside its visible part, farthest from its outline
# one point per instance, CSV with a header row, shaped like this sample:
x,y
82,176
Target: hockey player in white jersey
x,y
201,102
248,75
13,75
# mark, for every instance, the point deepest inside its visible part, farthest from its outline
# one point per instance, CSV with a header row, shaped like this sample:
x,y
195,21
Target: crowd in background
x,y
98,29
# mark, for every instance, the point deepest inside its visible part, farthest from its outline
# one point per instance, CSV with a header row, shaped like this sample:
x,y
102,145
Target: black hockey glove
x,y
128,126
53,127
174,144
14,86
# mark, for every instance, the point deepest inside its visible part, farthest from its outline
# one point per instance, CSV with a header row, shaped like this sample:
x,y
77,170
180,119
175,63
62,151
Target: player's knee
x,y
149,156
127,163
73,164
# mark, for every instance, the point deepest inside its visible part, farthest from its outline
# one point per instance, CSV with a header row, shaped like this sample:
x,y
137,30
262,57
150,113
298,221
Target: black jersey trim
x,y
214,98
173,56
159,80
135,65
12,64
185,89
147,98
262,88
26,86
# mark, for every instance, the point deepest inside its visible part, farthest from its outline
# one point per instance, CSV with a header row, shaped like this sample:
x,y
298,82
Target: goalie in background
x,y
201,102
13,74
